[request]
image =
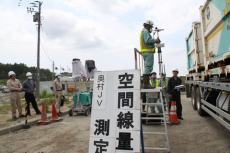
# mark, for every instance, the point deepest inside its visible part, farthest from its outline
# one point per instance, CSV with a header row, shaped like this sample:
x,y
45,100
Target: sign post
x,y
115,118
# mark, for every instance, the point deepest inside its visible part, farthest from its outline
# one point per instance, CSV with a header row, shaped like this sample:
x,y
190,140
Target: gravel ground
x,y
194,135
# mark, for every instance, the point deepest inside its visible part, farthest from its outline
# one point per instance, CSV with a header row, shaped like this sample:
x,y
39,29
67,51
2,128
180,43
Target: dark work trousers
x,y
143,96
31,99
176,97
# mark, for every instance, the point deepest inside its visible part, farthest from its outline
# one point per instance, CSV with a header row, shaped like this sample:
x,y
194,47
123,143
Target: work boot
x,y
14,118
146,81
38,113
59,114
28,113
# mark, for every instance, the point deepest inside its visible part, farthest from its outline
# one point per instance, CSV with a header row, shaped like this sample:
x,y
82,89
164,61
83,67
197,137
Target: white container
x,y
194,46
215,20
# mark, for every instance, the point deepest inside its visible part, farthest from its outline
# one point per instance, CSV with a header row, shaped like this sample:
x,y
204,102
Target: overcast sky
x,y
104,30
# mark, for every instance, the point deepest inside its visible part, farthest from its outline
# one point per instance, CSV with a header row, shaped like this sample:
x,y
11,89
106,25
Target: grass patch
x,y
45,94
3,82
5,108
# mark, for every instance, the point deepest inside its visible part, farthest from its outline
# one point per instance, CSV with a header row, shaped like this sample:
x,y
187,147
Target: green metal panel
x,y
190,43
190,47
220,5
190,61
224,45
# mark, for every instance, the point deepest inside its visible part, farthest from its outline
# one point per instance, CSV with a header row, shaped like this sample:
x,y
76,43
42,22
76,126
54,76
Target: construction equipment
x,y
82,103
82,95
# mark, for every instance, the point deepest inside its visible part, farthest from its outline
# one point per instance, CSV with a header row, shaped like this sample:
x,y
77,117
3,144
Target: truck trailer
x,y
208,56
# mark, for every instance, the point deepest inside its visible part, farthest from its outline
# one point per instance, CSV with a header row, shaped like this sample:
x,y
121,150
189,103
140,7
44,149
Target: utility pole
x,y
37,18
38,49
53,67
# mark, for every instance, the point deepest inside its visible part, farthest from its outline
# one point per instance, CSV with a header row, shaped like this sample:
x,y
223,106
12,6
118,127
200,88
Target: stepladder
x,y
154,116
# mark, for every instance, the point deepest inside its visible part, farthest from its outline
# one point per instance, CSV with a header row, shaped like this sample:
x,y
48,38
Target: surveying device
x,y
159,51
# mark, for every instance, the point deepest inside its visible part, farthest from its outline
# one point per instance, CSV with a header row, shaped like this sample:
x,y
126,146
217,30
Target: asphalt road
x,y
194,135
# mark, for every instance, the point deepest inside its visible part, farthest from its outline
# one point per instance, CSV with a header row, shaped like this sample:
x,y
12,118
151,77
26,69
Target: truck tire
x,y
188,91
200,111
70,112
193,97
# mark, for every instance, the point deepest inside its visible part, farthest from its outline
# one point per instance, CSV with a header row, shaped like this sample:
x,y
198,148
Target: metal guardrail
x,y
215,85
139,61
219,115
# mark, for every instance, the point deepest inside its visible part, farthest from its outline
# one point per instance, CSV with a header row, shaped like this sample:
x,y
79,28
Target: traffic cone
x,y
172,114
55,117
44,120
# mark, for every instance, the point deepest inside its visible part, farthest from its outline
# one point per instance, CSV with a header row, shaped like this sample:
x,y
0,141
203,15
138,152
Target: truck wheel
x,y
193,98
87,112
188,92
70,112
200,111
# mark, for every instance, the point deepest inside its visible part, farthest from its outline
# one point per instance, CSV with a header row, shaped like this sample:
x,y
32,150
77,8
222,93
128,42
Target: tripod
x,y
159,51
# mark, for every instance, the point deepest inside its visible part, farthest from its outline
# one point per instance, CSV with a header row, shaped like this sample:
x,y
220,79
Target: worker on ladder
x,y
147,48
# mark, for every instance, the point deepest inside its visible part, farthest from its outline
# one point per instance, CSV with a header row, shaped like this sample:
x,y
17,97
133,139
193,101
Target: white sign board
x,y
115,118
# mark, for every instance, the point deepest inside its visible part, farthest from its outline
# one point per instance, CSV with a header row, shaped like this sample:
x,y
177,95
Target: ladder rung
x,y
152,113
150,148
155,133
155,90
152,104
144,112
152,118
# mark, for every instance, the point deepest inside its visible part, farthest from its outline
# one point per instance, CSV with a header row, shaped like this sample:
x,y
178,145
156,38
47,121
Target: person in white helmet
x,y
29,88
174,95
15,88
147,49
57,89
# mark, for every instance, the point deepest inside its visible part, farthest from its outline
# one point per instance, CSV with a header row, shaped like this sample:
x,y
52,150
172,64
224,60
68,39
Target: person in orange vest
x,y
174,95
147,49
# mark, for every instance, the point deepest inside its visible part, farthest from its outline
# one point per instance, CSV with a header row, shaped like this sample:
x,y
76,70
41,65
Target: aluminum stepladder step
x,y
162,118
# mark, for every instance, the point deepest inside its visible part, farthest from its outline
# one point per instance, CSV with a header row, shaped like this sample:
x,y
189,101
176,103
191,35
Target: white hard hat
x,y
11,73
149,22
175,70
28,74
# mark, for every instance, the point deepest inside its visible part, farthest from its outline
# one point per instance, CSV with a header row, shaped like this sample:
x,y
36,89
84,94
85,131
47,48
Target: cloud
x,y
103,30
71,31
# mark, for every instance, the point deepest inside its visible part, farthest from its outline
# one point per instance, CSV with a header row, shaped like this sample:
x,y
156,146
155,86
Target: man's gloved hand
x,y
158,40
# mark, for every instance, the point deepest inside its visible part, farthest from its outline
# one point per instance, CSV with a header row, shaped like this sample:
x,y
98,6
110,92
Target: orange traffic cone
x,y
44,120
55,117
172,114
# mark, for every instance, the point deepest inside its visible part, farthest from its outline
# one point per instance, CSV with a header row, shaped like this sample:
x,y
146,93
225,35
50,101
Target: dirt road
x,y
193,135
